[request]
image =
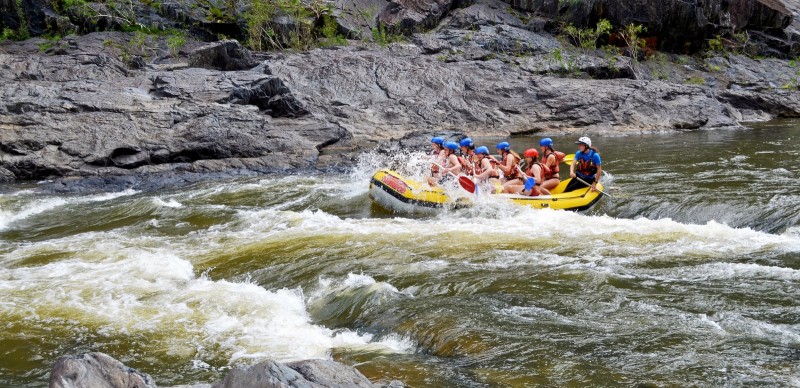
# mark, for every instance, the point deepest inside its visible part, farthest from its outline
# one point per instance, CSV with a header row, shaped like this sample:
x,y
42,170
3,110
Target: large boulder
x,y
410,16
301,374
225,55
96,370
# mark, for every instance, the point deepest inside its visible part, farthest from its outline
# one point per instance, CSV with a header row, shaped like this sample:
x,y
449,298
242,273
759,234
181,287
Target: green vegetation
x,y
715,45
794,81
175,42
586,38
51,41
695,80
283,24
330,32
631,35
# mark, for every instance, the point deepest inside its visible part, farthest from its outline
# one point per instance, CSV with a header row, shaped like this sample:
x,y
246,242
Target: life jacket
x,y
585,163
467,165
529,169
514,173
435,156
552,172
480,170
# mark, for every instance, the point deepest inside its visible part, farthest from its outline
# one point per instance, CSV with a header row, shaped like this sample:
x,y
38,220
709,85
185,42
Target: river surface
x,y
690,276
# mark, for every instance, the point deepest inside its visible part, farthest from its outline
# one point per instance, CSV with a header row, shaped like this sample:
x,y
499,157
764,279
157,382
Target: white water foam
x,y
153,292
158,201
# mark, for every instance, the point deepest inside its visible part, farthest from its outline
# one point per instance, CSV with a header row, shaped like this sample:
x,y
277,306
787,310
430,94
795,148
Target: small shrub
x,y
330,32
175,42
695,80
631,35
586,38
715,45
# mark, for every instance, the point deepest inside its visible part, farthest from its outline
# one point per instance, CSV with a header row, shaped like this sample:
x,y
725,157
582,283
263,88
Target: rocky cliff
x,y
115,103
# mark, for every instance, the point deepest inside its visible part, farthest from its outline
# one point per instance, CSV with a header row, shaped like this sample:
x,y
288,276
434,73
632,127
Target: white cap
x,y
584,140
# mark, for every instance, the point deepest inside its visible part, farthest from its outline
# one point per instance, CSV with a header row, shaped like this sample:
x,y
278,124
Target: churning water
x,y
691,276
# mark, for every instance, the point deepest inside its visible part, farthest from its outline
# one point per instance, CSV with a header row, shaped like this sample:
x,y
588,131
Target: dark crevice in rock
x,y
269,95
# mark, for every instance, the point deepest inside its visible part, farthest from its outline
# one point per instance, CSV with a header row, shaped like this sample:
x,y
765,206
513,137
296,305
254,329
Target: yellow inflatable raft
x,y
397,193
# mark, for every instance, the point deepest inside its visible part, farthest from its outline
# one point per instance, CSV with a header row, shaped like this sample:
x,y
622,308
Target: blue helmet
x,y
451,145
546,142
482,150
503,146
438,140
466,142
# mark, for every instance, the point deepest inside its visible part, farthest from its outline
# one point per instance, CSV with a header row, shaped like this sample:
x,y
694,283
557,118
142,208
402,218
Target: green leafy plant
x,y
175,42
282,24
586,38
715,45
631,35
330,32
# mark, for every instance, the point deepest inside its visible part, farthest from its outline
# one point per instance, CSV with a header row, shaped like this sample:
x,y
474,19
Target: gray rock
x,y
330,374
6,176
266,374
96,370
226,55
410,16
87,114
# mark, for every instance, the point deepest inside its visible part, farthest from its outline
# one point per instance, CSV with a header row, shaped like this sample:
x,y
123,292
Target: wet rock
x,y
226,55
96,370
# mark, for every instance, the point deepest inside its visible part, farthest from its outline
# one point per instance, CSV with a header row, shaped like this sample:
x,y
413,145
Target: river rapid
x,y
690,276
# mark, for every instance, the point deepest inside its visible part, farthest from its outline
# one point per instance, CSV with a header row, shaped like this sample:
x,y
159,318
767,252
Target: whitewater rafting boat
x,y
397,193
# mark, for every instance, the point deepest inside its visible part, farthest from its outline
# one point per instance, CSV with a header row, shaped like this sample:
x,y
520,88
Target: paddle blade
x,y
568,159
467,183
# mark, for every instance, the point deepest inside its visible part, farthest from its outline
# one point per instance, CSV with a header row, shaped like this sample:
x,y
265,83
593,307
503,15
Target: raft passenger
x,y
549,164
438,154
486,167
467,157
451,165
509,164
533,169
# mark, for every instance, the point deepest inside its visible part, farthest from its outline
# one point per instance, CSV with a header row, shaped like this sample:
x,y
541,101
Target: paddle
x,y
463,180
601,191
568,159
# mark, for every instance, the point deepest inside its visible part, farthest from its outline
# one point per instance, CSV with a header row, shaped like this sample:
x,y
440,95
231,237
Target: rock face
x,y
96,370
88,114
678,25
378,96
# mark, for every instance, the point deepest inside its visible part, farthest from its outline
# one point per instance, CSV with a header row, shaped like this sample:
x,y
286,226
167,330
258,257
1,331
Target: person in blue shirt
x,y
587,166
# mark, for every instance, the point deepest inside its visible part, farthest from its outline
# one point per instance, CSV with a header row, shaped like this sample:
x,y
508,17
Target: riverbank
x,y
120,104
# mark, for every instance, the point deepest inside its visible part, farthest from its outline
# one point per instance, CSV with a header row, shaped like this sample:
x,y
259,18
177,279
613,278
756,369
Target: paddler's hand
x,y
594,187
572,175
